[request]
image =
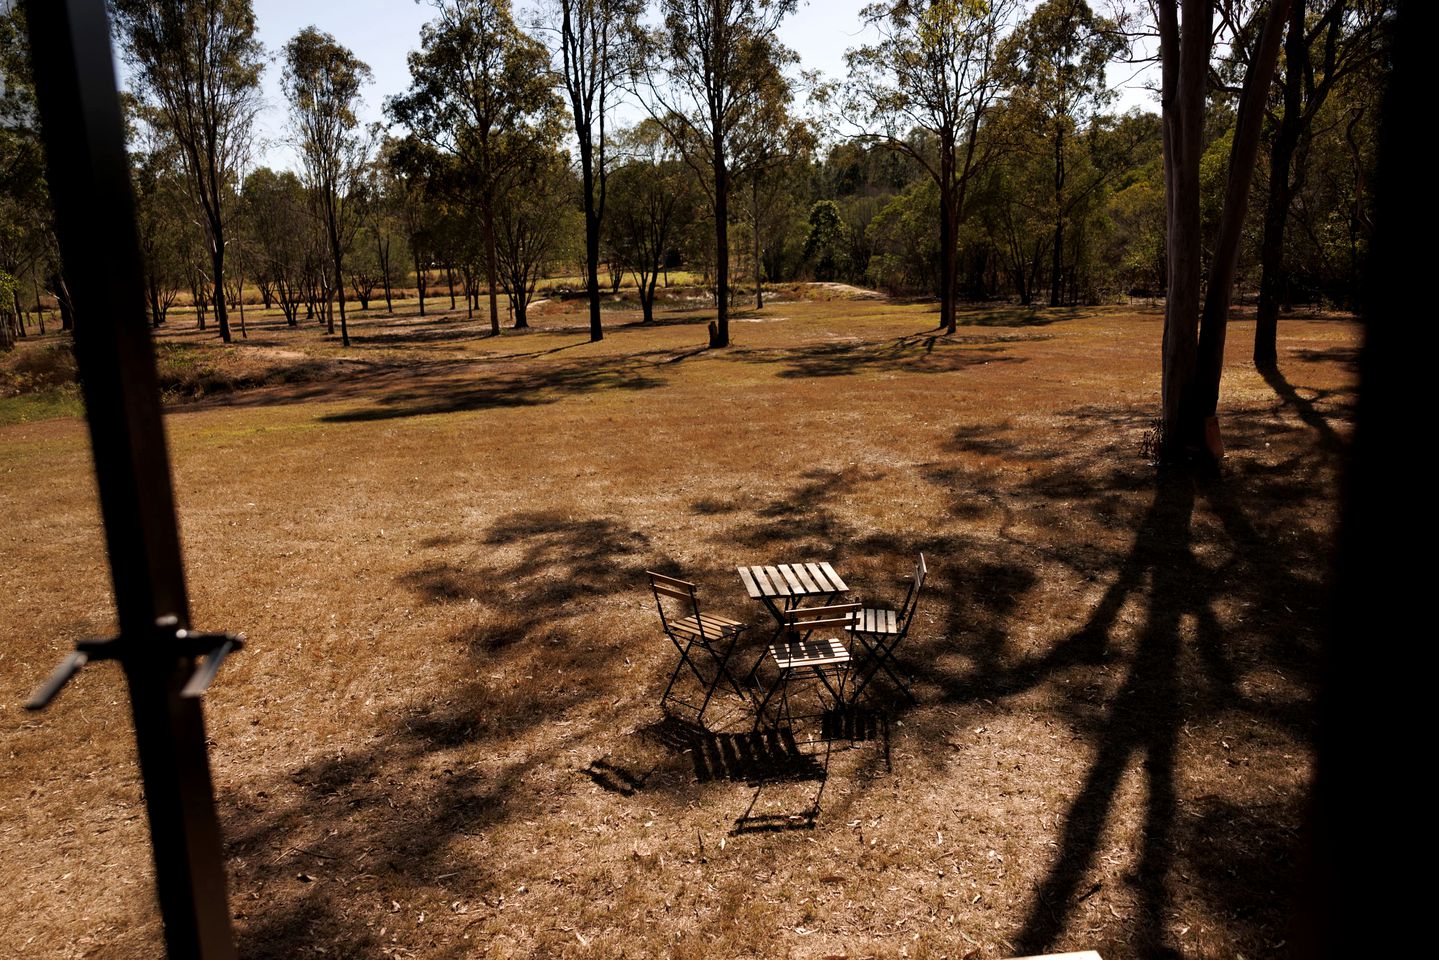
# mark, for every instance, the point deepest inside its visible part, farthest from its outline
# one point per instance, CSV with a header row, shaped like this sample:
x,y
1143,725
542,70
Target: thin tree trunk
x,y
720,336
1272,277
35,282
153,290
1184,68
647,299
420,283
217,261
492,267
338,256
758,266
62,300
946,258
1224,263
1057,262
592,242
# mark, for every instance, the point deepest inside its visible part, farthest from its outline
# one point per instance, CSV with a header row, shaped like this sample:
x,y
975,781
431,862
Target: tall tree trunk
x,y
1057,254
758,264
382,251
39,310
946,258
592,240
1184,67
647,299
720,337
153,290
492,267
340,297
1244,151
1272,279
217,263
62,300
338,256
419,282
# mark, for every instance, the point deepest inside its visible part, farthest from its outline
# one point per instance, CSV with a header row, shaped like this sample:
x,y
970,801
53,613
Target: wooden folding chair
x,y
880,630
693,632
811,645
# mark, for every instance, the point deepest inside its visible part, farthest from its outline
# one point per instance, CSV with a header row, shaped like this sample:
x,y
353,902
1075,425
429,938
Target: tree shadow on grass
x,y
1179,668
912,353
1147,661
1330,440
380,818
1015,316
485,389
1180,625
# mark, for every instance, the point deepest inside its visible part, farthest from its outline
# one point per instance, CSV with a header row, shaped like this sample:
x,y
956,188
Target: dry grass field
x,y
444,739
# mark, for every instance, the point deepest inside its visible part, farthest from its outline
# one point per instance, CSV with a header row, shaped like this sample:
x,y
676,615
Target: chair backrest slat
x,y
810,612
676,589
911,599
672,592
806,619
669,581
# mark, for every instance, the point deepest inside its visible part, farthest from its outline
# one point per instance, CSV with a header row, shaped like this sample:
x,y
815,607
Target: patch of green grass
x,y
46,404
37,382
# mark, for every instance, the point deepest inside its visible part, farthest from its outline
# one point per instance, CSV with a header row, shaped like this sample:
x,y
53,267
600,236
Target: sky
x,y
383,32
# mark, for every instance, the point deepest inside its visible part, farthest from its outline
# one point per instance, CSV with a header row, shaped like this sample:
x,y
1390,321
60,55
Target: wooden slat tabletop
x,y
777,582
791,580
817,575
839,584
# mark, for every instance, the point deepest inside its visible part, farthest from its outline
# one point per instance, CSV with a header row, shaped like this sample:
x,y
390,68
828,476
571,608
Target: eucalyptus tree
x,y
322,81
409,163
701,74
481,94
1196,316
653,201
924,87
1327,46
160,207
1057,59
530,228
768,142
25,222
383,217
280,228
198,64
588,37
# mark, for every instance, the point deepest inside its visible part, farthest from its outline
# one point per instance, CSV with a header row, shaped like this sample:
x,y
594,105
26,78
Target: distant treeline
x,y
501,164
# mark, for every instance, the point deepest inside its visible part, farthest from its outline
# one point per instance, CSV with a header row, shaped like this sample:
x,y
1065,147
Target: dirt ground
x,y
444,739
